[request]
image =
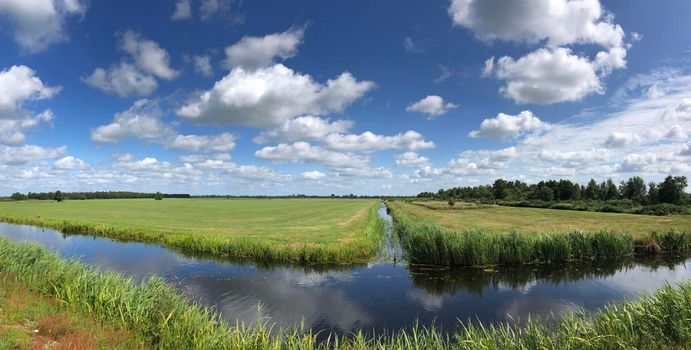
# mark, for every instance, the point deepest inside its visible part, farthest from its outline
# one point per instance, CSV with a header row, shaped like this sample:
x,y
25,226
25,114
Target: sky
x,y
318,97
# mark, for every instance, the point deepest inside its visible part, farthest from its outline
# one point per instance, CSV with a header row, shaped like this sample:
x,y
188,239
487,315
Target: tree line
x,y
635,190
58,195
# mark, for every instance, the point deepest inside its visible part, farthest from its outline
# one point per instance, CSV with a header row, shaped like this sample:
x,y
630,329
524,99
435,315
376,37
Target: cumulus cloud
x,y
148,55
183,10
553,74
432,105
28,153
123,80
202,65
267,97
411,159
136,78
304,152
505,126
143,121
548,76
619,139
256,52
70,163
40,23
305,128
559,22
369,142
313,175
19,85
211,8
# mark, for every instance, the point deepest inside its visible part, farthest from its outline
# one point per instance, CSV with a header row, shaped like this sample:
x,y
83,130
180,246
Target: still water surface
x,y
384,295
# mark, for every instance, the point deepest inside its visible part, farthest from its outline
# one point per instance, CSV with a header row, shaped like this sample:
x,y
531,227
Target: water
x,y
386,295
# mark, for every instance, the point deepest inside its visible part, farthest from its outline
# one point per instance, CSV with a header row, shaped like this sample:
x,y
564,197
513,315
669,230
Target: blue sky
x,y
382,97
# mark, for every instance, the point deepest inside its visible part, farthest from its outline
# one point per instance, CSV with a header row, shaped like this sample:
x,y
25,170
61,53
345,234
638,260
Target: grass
x,y
276,230
31,320
500,219
163,319
427,242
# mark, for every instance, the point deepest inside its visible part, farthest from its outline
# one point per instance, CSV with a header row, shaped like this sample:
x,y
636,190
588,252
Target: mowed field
x,y
504,219
320,221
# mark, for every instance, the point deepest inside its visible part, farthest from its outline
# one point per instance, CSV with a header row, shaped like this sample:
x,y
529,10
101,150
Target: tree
x,y
499,189
58,196
609,190
17,196
158,196
452,202
653,194
591,191
634,189
672,189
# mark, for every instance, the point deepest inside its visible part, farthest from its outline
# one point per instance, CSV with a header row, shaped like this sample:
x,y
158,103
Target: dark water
x,y
380,296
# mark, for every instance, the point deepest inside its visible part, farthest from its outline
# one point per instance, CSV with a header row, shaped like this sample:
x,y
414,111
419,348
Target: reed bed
x,y
167,320
426,242
360,249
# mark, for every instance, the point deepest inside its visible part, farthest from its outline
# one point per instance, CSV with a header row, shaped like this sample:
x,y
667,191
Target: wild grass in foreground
x,y
359,247
167,320
426,242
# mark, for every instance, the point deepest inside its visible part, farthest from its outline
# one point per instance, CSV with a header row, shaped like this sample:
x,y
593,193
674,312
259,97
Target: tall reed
x,y
169,321
426,242
360,249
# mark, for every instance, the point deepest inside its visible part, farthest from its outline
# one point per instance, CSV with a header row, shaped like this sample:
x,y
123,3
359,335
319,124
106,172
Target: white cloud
x,y
409,45
70,163
257,52
19,84
148,55
38,24
482,161
619,139
202,65
269,96
505,126
574,158
548,76
559,22
28,153
183,10
313,175
256,173
303,152
305,128
369,142
123,80
432,105
211,8
142,121
411,159
224,142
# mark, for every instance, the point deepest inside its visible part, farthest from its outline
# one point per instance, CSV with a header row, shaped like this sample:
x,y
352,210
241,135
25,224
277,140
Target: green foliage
x,y
58,196
158,196
426,242
153,310
359,247
452,202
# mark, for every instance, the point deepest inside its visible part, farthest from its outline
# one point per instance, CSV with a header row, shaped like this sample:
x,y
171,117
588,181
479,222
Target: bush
x,y
663,209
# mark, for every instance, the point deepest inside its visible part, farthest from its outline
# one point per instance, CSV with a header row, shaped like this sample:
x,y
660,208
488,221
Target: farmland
x,y
308,230
500,219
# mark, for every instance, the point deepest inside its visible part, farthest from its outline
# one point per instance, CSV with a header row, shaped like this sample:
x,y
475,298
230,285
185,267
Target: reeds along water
x,y
169,321
360,249
426,242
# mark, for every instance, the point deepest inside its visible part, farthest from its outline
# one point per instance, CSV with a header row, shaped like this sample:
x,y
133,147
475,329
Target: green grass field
x,y
267,229
499,219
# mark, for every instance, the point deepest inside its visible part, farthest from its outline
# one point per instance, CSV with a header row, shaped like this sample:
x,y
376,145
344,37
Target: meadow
x,y
480,237
501,219
269,230
153,312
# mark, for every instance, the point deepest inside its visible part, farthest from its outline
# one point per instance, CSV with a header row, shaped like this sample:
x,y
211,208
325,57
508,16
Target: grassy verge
x,y
426,242
359,247
31,320
164,319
